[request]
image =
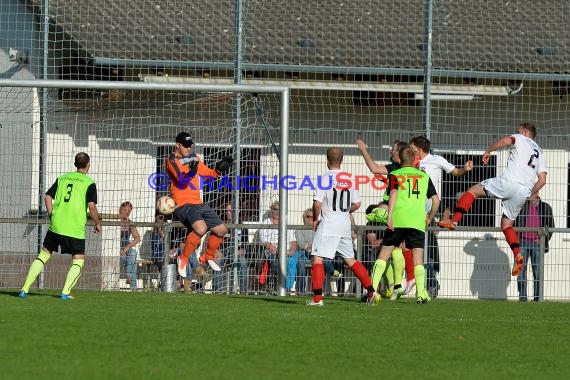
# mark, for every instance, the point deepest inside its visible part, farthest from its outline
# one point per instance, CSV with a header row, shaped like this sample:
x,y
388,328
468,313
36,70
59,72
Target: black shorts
x,y
69,245
413,238
190,214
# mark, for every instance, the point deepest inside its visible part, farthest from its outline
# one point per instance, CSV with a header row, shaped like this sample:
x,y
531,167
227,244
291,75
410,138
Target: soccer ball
x,y
165,205
378,215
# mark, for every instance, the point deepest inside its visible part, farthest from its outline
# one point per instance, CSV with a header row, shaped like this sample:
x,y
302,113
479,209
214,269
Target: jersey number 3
x,y
68,193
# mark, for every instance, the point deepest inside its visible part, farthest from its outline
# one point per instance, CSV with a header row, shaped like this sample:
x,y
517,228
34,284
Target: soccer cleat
x,y
23,294
517,267
181,267
424,299
66,297
397,294
215,267
410,285
313,303
375,299
386,293
447,224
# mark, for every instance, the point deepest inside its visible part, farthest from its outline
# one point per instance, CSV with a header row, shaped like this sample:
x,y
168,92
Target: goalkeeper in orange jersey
x,y
185,171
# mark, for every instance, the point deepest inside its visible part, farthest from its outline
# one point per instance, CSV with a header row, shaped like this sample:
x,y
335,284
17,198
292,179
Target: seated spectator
x,y
218,276
193,264
241,236
269,238
157,243
297,264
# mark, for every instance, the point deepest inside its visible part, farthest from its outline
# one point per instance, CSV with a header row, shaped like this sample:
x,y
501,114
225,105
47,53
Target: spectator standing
x,y
535,213
128,255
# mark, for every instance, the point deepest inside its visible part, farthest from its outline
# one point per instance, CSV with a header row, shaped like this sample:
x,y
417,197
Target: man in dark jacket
x,y
535,213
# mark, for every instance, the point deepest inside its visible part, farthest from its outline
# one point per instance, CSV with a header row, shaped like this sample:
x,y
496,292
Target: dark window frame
x,y
483,211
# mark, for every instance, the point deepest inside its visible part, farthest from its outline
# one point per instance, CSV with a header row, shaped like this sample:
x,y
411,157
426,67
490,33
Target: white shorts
x,y
512,195
330,246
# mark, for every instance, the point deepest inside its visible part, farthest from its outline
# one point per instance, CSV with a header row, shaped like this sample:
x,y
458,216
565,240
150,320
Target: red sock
x,y
409,264
192,241
213,244
318,279
463,204
512,239
362,274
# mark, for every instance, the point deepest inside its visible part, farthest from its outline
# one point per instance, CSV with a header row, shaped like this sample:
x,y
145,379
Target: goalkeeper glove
x,y
224,164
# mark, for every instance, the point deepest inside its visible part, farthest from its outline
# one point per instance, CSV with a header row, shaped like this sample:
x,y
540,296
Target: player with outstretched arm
x,y
524,176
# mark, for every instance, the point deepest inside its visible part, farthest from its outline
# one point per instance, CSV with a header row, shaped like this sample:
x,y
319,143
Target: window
x,y
482,213
220,192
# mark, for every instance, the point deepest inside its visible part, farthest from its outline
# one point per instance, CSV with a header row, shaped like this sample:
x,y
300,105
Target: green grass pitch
x,y
119,335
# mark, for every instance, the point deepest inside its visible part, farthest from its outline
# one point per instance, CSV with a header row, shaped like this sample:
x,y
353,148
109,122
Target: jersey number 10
x,y
342,201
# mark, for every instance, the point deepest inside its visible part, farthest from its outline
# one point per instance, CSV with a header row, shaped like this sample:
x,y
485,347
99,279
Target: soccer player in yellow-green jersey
x,y
67,202
407,220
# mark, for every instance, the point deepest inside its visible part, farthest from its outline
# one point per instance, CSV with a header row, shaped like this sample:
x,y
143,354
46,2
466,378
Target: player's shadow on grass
x,y
491,271
16,293
9,293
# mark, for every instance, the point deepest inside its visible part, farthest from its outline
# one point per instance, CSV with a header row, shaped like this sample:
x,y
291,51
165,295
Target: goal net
x,y
128,135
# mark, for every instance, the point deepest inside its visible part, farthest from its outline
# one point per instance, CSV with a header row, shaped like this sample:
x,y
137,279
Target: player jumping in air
x,y
524,176
184,169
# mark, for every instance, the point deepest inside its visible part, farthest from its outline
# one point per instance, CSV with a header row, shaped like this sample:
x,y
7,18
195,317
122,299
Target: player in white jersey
x,y
332,207
524,176
433,164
